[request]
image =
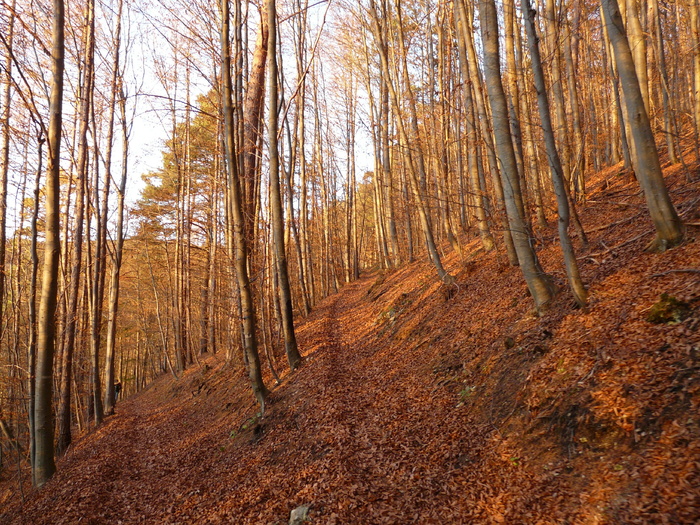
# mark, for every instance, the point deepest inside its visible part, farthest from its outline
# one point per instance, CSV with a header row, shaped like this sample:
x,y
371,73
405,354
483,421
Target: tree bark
x,y
572,272
240,247
538,282
669,228
44,465
277,214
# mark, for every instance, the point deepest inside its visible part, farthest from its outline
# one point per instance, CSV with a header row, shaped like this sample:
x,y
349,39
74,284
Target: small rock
x,y
299,515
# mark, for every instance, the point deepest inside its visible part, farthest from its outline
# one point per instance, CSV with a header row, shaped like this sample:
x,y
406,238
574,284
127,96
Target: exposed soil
x,y
421,404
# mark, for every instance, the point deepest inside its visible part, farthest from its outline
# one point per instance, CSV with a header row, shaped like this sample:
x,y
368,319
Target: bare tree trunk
x,y
86,89
538,282
100,269
417,175
5,150
44,465
386,175
666,99
669,229
465,19
578,183
638,46
32,317
554,48
577,287
694,7
511,25
113,308
277,213
478,192
252,119
236,214
444,137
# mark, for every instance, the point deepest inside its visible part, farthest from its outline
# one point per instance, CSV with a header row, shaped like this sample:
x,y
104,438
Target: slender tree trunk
x,y
445,137
386,175
417,175
64,434
560,121
638,46
113,307
475,78
575,282
666,99
252,119
32,317
511,25
101,244
538,282
44,465
694,7
236,214
477,191
578,183
669,229
277,213
5,150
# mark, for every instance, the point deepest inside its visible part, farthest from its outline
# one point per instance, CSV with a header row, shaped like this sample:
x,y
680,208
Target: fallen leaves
x,y
581,416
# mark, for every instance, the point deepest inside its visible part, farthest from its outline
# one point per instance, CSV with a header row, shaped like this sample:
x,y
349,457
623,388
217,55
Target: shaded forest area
x,y
417,408
552,147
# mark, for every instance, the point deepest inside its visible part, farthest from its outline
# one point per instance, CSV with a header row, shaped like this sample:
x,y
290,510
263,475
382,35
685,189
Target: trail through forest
x,y
421,403
353,435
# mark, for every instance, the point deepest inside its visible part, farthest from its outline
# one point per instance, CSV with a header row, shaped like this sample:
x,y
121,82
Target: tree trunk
x,y
538,282
64,435
277,214
417,176
44,465
694,7
113,307
486,134
666,99
669,229
638,46
5,149
572,273
471,139
252,119
32,314
240,247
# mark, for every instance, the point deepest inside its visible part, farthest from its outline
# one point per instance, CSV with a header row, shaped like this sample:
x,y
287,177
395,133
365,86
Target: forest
x,y
258,204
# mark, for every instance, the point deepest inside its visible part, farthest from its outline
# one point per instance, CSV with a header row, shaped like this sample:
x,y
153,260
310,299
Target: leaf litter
x,y
419,406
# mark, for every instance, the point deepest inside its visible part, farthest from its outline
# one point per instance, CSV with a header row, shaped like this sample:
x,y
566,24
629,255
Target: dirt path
x,y
413,408
357,433
360,433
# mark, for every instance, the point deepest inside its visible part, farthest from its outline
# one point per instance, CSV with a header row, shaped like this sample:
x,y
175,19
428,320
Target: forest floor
x,y
419,403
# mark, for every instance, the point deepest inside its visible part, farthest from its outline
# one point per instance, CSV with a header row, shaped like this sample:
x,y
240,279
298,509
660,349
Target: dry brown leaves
x,y
415,408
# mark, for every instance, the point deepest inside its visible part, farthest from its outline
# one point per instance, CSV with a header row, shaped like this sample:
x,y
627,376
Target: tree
x,y
558,178
238,244
669,229
64,437
276,210
538,282
416,167
44,465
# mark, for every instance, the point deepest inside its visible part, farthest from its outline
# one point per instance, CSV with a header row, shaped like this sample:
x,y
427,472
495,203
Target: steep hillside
x,y
424,404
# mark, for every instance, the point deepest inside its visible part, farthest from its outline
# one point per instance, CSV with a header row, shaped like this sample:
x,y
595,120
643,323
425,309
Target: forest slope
x,y
421,404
